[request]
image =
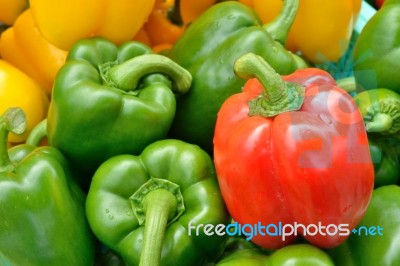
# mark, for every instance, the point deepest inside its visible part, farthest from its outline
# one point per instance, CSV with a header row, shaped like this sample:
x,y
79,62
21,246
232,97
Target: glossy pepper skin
x,y
11,9
18,89
191,9
377,50
321,31
108,100
298,254
117,21
208,49
292,150
24,46
378,244
176,185
42,210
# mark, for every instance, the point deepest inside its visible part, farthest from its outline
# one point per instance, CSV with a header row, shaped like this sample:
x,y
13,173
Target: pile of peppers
x,y
183,132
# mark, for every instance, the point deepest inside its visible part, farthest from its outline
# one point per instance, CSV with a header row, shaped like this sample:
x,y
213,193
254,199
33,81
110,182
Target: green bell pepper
x,y
297,254
42,212
376,53
300,255
141,206
248,257
380,109
209,48
376,241
110,100
386,161
239,251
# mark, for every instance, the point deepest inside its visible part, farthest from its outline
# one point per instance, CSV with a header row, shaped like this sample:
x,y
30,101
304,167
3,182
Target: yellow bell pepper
x,y
63,22
23,46
19,90
322,29
10,10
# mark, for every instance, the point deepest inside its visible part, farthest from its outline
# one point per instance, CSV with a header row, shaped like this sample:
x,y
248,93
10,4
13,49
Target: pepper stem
x,y
126,76
279,27
278,96
381,122
13,120
157,203
37,134
174,14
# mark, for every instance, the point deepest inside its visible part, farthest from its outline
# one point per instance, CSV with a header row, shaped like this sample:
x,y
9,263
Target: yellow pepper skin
x,y
322,29
23,46
19,90
63,22
10,10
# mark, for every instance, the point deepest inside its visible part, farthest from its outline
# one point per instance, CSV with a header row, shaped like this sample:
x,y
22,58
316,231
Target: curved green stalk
x,y
13,120
278,96
156,204
126,76
279,28
37,134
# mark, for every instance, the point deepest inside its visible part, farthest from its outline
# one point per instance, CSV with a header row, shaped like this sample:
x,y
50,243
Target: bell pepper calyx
x,y
383,117
140,202
279,27
13,120
126,76
380,109
378,123
278,96
157,203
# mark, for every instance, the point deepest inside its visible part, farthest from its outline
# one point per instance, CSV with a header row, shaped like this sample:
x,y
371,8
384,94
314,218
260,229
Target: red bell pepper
x,y
292,150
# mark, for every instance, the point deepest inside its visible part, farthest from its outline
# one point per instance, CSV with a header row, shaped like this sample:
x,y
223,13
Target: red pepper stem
x,y
278,96
37,134
157,203
126,76
13,120
279,27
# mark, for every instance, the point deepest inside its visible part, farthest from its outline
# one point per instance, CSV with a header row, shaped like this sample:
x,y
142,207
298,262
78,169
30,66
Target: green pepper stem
x,y
279,27
381,122
126,76
37,134
278,96
348,84
13,120
156,204
160,205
